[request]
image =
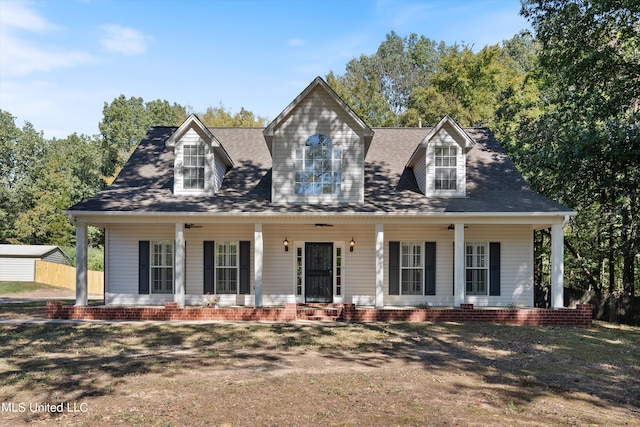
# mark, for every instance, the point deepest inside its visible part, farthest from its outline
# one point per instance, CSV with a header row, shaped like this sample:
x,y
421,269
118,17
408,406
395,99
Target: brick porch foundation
x,y
580,316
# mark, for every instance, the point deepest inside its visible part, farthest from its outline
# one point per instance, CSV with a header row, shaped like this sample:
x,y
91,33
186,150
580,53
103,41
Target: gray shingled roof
x,y
493,183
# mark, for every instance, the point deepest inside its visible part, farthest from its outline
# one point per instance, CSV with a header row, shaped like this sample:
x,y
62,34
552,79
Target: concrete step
x,y
319,314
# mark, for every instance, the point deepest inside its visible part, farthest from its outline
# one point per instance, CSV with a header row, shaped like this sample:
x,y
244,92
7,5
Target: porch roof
x,y
145,184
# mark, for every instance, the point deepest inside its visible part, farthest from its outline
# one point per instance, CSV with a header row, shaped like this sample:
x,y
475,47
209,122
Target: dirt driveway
x,y
378,374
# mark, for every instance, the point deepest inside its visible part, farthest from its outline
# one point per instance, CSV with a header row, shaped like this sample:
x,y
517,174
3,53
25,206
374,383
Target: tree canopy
x,y
586,142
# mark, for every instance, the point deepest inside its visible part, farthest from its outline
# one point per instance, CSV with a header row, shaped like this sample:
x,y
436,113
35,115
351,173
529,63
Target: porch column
x,y
458,260
257,263
82,294
557,266
379,301
179,295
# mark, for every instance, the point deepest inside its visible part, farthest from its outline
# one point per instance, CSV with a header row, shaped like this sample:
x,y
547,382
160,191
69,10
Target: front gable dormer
x,y
200,160
439,162
318,145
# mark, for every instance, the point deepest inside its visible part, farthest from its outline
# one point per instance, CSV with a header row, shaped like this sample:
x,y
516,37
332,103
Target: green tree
x,y
22,152
378,87
126,121
465,85
221,117
362,93
584,148
70,172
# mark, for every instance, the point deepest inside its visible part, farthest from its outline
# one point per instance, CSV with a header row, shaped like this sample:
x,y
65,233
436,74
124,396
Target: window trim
x,y
476,279
307,158
201,157
431,173
441,168
153,265
403,267
218,266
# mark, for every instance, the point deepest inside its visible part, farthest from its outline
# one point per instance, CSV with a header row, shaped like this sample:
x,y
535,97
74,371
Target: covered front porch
x,y
360,265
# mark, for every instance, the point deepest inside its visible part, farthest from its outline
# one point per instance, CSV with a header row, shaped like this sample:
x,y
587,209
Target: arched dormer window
x,y
318,167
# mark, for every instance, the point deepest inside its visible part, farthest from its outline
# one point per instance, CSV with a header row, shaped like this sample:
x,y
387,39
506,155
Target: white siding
x,y
420,172
218,173
318,113
516,266
122,262
212,181
441,139
17,269
195,238
279,278
280,267
122,267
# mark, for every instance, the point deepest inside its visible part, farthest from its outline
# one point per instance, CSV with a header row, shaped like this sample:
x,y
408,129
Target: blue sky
x,y
61,60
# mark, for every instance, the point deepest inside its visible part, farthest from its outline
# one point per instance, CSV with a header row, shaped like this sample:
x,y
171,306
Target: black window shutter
x,y
429,268
245,267
209,266
394,268
143,267
494,268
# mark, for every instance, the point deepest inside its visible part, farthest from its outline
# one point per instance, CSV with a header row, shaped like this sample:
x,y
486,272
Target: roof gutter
x,y
73,214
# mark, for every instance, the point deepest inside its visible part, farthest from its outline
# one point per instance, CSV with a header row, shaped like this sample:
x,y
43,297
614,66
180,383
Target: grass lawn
x,y
19,287
320,374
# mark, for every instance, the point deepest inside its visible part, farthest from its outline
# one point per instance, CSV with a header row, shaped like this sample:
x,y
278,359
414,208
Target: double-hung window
x,y
318,167
227,268
193,167
162,267
411,268
477,268
446,168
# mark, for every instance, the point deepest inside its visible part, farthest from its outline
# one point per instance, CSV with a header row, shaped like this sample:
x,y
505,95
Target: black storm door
x,y
319,272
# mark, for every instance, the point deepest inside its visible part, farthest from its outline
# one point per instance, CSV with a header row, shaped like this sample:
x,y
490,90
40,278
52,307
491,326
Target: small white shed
x,y
18,262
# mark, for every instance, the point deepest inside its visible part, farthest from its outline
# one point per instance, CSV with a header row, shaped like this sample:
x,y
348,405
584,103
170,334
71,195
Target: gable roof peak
x,y
467,141
447,120
194,122
318,82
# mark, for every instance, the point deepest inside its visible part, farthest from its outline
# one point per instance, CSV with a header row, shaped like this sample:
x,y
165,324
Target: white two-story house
x,y
319,207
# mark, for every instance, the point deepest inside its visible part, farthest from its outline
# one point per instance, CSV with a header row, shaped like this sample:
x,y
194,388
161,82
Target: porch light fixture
x,y
352,243
286,245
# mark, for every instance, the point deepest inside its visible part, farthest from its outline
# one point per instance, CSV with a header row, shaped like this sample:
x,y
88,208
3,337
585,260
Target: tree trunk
x,y
628,236
612,262
593,282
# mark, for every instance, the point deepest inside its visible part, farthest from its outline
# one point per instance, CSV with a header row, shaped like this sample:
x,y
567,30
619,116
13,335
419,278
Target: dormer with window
x,y
318,145
200,161
439,162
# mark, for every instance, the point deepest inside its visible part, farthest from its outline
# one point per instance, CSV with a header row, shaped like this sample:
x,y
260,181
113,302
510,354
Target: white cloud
x,y
20,54
14,14
19,57
124,40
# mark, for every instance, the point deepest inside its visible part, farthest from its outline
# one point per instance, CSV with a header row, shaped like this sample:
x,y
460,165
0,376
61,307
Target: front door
x,y
319,272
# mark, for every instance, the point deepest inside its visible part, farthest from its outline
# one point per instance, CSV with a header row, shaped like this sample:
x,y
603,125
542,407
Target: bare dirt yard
x,y
307,374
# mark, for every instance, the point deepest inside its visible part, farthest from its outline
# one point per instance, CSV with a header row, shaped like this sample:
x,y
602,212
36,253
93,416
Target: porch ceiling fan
x,y
322,225
453,227
189,226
